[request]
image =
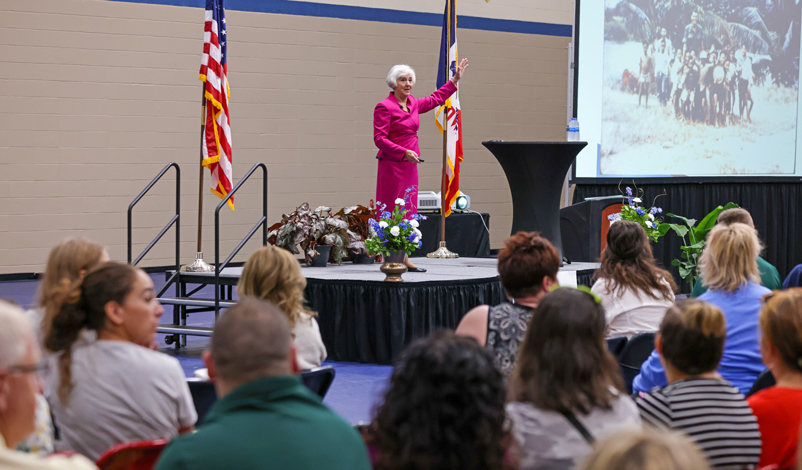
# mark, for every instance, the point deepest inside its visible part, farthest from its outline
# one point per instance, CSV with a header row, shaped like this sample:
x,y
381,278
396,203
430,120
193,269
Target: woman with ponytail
x,y
114,389
635,292
527,266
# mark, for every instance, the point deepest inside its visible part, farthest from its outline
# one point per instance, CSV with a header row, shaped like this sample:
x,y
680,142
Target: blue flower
x,y
629,201
640,211
659,211
404,225
653,210
420,244
629,191
412,236
386,215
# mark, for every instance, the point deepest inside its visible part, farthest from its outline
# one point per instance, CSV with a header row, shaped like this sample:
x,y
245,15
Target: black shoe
x,y
416,270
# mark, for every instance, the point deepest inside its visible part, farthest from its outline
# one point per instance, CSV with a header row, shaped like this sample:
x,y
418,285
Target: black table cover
x,y
466,235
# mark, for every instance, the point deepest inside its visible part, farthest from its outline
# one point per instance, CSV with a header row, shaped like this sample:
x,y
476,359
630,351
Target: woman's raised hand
x,y
460,70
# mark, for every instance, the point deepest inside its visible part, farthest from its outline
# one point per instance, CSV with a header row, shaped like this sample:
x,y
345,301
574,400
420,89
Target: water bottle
x,y
573,130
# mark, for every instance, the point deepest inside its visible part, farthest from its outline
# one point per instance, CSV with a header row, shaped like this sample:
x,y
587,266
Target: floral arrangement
x,y
648,219
394,231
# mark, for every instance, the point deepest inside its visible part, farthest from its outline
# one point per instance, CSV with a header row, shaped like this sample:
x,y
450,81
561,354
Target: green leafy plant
x,y
693,240
357,219
307,228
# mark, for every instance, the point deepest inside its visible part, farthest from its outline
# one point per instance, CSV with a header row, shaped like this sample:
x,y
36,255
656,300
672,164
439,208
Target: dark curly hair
x,y
444,409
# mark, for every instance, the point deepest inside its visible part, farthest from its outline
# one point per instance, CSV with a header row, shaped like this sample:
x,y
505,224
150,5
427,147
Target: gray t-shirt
x,y
547,440
122,393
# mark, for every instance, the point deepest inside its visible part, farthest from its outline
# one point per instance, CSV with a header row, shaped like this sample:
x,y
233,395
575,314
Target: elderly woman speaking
x,y
395,132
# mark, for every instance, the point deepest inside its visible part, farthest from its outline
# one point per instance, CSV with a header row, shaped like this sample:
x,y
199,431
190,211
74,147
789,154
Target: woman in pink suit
x,y
395,131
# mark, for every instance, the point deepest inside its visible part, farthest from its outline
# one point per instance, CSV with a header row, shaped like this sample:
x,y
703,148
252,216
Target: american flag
x,y
446,69
214,74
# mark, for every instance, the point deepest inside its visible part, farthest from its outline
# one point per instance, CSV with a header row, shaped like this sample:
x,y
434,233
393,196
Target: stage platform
x,y
364,319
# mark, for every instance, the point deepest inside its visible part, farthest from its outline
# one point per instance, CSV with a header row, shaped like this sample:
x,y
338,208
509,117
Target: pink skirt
x,y
392,182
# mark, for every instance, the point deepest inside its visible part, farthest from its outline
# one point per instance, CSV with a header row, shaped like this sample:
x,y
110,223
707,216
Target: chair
x,y
635,353
203,395
140,455
318,379
616,345
764,380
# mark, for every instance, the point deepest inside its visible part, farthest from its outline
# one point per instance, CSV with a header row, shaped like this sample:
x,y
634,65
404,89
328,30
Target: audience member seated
x,y
274,274
769,277
635,293
794,278
527,266
19,384
729,266
444,409
650,450
67,263
697,400
779,408
566,390
265,417
115,389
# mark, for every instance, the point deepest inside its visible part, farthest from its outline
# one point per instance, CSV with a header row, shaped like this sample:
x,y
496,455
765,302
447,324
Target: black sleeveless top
x,y
506,328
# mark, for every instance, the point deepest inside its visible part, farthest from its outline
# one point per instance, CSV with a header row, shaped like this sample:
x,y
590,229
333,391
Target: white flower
x,y
399,202
651,217
637,199
420,235
383,224
650,224
395,231
414,223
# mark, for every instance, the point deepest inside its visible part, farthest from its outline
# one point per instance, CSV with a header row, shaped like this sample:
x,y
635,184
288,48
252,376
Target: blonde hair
x,y
274,274
66,264
730,257
637,449
781,323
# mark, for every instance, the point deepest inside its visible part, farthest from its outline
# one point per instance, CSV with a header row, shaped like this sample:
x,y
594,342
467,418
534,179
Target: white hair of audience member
x,y
16,334
398,71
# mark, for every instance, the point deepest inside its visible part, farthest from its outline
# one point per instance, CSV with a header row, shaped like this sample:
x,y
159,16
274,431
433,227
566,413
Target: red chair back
x,y
140,455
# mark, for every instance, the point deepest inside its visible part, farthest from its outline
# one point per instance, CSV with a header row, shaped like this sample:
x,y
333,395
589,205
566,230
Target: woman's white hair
x,y
398,71
16,334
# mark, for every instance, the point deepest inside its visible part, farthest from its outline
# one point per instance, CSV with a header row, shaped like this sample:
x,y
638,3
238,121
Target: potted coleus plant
x,y
357,219
305,228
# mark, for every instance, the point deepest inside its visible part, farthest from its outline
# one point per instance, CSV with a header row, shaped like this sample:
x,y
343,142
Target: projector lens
x,y
462,202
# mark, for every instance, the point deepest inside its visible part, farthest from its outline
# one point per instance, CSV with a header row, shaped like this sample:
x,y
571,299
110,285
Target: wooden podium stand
x,y
535,172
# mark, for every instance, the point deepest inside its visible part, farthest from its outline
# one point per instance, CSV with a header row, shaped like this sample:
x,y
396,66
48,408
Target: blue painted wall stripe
x,y
288,7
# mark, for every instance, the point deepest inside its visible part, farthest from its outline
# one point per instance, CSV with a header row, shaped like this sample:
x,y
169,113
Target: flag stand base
x,y
442,252
198,266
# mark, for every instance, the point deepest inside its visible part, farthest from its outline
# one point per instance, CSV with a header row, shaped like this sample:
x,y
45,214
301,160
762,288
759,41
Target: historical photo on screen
x,y
704,87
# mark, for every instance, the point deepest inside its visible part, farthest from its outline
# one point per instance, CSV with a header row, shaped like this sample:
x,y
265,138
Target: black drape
x,y
369,321
773,207
466,235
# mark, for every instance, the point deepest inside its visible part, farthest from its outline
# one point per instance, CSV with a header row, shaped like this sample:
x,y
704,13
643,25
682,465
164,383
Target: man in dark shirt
x,y
694,39
265,418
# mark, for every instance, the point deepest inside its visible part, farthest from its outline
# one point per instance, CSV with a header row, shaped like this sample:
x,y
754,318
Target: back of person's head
x,y
274,274
251,340
82,305
627,262
638,449
564,363
444,408
523,263
730,257
17,387
68,262
735,215
692,336
781,323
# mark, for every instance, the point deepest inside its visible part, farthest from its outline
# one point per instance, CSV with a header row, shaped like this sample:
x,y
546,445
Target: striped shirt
x,y
712,413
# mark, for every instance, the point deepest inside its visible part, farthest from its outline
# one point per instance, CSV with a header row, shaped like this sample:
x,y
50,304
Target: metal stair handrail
x,y
175,220
218,266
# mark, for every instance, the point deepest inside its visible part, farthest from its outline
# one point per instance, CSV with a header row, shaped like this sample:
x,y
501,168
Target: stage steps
x,y
187,302
183,330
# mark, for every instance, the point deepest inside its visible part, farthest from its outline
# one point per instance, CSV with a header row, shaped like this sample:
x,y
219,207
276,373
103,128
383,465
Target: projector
x,y
430,201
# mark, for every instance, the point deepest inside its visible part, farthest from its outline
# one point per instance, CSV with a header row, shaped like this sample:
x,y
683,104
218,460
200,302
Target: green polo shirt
x,y
271,423
769,278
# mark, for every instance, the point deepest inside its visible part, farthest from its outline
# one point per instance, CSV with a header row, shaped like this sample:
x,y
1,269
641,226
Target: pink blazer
x,y
396,131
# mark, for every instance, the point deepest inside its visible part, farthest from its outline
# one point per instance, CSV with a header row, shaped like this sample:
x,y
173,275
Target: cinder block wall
x,y
97,96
